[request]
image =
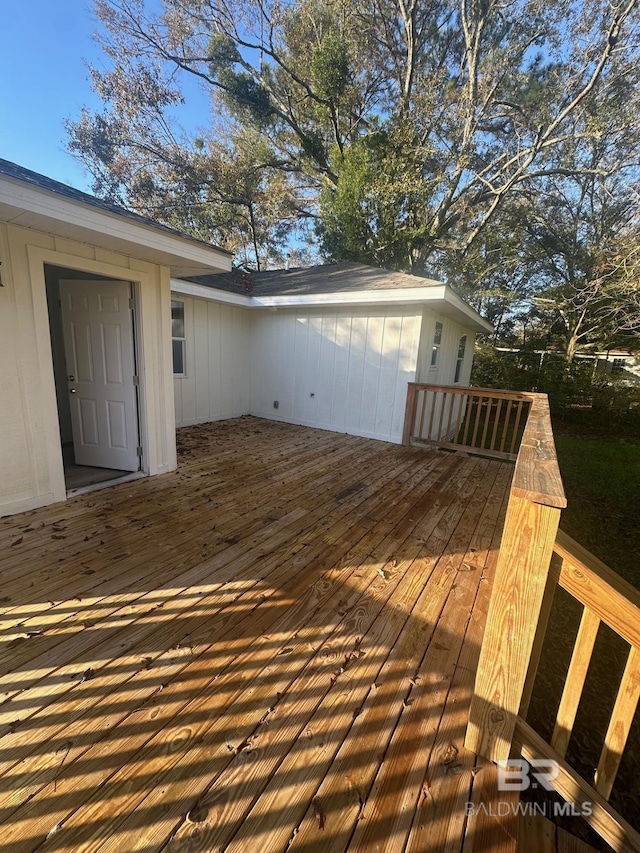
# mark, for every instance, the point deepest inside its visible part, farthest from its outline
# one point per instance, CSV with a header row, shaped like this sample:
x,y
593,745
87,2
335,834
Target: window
x,y
460,361
177,334
437,341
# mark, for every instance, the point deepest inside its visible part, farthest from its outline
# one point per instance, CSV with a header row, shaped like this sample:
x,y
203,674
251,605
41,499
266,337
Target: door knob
x,y
72,390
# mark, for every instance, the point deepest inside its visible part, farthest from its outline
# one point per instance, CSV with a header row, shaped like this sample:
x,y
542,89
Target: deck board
x,y
271,649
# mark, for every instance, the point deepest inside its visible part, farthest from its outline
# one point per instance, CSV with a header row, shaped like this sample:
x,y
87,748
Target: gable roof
x,y
332,284
33,200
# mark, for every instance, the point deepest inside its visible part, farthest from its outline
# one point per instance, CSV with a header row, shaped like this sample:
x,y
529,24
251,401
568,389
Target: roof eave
x,y
441,297
44,210
475,320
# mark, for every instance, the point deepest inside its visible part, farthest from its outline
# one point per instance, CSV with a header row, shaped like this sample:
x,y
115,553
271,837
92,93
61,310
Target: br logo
x,y
517,774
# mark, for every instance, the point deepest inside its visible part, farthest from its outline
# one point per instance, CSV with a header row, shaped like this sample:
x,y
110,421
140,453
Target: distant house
x,y
116,329
619,363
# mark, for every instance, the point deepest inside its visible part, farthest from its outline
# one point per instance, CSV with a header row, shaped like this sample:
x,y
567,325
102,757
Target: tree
x,y
582,247
223,191
557,259
403,127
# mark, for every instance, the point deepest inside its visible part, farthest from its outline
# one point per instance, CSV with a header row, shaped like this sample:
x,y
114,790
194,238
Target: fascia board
x,y
363,297
441,297
201,291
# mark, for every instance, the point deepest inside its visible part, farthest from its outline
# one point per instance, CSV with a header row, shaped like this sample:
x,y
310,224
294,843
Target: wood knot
x,y
198,814
496,716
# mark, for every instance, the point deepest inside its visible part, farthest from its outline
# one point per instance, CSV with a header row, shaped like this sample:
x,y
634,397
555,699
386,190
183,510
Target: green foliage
x,y
244,97
373,214
345,225
330,67
222,52
568,384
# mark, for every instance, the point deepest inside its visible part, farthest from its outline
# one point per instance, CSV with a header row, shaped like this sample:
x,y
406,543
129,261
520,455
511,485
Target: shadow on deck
x,y
272,649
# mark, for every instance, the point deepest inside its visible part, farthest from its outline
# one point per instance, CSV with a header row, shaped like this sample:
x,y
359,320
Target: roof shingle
x,y
325,278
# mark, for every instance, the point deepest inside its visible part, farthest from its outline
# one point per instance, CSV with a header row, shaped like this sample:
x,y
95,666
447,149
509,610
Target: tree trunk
x,y
572,347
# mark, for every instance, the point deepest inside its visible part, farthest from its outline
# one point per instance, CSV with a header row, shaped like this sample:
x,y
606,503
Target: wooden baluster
x,y
461,409
574,682
495,424
434,403
443,405
448,434
467,420
410,413
477,421
506,426
514,437
541,632
422,408
619,725
487,418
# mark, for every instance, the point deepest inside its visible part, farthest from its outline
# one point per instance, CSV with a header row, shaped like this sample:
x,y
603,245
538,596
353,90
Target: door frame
x,y
134,384
143,341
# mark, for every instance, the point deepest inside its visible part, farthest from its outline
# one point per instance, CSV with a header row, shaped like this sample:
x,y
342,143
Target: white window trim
x,y
183,340
436,347
460,360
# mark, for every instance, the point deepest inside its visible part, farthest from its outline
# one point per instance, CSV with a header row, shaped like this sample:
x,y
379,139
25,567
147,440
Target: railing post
x,y
514,611
541,632
410,413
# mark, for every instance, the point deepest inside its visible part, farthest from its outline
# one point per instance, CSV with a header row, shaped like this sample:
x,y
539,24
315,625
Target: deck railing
x,y
479,420
605,597
534,557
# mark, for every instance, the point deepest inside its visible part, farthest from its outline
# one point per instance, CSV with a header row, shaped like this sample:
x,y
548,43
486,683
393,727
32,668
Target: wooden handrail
x,y
484,392
599,588
611,826
537,475
519,585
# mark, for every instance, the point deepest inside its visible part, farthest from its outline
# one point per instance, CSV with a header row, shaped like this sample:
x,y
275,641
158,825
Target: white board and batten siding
x,y
343,369
216,384
30,450
442,373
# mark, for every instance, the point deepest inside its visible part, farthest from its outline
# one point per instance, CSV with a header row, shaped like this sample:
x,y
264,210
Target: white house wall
x,y
343,369
31,472
444,372
217,382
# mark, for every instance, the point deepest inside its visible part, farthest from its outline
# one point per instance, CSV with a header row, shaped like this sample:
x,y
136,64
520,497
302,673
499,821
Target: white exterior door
x,y
97,321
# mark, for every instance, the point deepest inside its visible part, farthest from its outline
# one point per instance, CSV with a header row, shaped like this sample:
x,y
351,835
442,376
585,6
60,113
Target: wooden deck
x,y
272,649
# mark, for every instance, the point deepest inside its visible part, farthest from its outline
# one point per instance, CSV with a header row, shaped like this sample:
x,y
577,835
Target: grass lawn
x,y
600,466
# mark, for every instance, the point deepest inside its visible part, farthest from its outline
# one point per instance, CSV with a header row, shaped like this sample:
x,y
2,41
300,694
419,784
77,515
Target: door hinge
x,y
136,380
132,303
139,452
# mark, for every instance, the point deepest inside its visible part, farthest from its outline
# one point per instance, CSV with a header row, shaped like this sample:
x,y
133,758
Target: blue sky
x,y
45,80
